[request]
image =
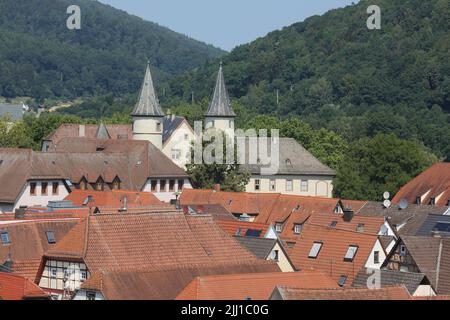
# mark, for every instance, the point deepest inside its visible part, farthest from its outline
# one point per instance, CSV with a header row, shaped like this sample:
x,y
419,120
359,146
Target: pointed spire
x,y
102,131
148,105
220,105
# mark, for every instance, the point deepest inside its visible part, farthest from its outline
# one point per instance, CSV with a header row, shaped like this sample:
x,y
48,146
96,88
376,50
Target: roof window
x,y
315,249
351,252
342,280
50,237
5,237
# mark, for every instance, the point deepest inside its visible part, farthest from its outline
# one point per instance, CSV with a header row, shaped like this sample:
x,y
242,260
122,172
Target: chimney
x,y
82,130
216,187
124,204
348,214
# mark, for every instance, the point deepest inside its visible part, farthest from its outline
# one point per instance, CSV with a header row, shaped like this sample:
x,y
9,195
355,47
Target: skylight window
x,y
5,237
342,280
50,237
253,233
351,252
314,252
333,224
442,226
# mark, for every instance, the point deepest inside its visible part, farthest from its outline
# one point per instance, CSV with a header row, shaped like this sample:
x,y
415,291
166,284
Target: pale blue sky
x,y
226,23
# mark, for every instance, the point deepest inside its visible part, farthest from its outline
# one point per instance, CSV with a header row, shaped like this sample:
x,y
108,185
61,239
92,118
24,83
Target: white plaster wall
x,y
224,124
424,291
25,199
81,295
165,195
317,186
145,129
177,141
382,256
283,262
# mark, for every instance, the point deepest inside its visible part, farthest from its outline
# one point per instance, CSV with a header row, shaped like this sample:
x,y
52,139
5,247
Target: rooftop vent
x,y
360,227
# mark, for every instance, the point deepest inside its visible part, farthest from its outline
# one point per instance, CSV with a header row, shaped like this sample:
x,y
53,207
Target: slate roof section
x,y
257,286
14,287
148,104
240,228
390,278
293,159
220,105
428,227
149,240
260,247
434,182
12,110
388,293
164,283
170,124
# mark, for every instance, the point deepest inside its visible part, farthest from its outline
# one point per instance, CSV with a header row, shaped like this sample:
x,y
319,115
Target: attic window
x,y
333,224
351,252
100,149
432,201
238,232
418,200
5,237
360,227
50,237
253,233
442,226
342,280
278,227
315,249
448,203
402,250
297,228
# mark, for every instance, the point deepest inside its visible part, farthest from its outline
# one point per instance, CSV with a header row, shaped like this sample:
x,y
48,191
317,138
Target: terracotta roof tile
x,y
258,286
240,228
112,198
15,287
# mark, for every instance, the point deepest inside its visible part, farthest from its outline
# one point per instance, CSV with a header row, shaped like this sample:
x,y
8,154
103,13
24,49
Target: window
x,y
186,137
32,188
442,226
50,237
448,203
418,200
278,227
275,255
297,228
99,184
257,184
338,209
180,184
5,237
351,252
53,272
288,185
176,154
272,185
253,233
154,185
404,269
162,186
315,249
55,187
304,185
342,280
360,227
238,232
116,184
432,201
333,224
376,257
90,295
83,184
44,186
288,162
402,250
83,275
158,126
171,185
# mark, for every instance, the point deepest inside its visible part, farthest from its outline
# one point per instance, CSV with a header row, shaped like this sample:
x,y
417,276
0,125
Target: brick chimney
x,y
348,214
216,187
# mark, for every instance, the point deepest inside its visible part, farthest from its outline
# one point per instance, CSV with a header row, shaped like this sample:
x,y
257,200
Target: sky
x,y
227,23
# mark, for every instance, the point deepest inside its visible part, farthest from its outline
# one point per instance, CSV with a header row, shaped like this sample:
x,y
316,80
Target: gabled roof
x,y
293,159
114,198
260,247
238,227
335,243
148,240
170,124
220,105
388,293
217,211
148,104
164,283
89,131
432,183
365,224
15,287
28,242
389,278
257,286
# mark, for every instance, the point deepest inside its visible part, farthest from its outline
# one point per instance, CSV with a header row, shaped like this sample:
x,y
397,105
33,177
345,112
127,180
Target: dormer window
x,y
83,184
297,228
116,184
158,126
99,184
418,200
333,224
448,203
278,227
432,201
360,227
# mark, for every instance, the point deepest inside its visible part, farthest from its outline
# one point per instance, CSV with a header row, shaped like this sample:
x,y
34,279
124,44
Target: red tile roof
x,y
387,293
90,131
370,225
113,198
232,226
147,240
435,181
15,287
335,243
257,286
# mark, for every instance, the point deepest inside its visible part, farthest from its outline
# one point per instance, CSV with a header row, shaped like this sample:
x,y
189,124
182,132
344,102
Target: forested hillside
x,y
41,58
334,73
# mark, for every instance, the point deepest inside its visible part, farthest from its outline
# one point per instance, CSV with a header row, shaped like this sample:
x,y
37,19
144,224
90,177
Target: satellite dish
x,y
386,203
403,204
386,195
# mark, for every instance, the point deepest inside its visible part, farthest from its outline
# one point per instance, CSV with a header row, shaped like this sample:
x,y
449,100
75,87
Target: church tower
x,y
220,115
147,114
